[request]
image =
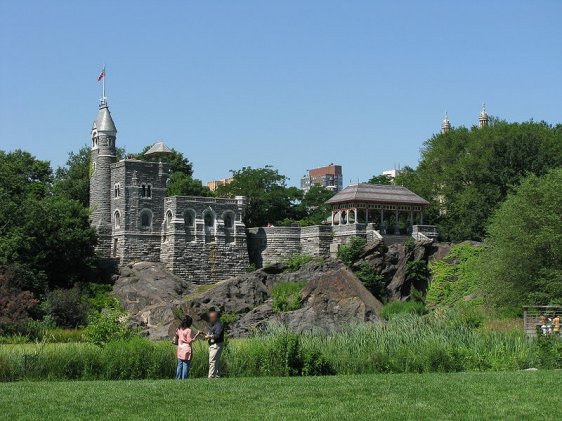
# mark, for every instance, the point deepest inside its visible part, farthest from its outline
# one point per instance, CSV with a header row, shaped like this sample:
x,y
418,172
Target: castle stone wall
x,y
204,239
141,189
269,245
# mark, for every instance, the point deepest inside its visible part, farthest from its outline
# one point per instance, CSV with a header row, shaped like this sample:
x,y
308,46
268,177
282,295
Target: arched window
x,y
189,218
169,217
117,190
149,191
209,219
146,218
117,220
228,219
143,190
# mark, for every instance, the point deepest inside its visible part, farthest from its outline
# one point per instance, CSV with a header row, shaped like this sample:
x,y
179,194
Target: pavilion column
x,y
332,218
355,218
381,224
396,223
421,217
366,215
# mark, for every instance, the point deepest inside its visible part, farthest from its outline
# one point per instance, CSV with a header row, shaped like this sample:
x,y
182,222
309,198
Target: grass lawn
x,y
447,396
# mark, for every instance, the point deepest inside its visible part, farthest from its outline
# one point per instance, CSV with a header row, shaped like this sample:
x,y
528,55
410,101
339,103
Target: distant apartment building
x,y
329,176
215,184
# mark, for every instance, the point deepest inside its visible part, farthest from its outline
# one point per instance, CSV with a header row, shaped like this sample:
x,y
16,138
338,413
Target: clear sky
x,y
294,84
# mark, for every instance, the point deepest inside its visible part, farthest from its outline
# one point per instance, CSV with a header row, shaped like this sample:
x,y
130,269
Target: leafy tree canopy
x,y
380,179
178,162
269,200
522,260
72,181
312,209
467,173
183,185
45,240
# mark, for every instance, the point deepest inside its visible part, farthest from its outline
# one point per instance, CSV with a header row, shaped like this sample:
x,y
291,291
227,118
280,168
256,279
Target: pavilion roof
x,y
377,193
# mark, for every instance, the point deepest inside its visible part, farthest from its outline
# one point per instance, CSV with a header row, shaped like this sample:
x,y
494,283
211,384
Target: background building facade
x,y
329,176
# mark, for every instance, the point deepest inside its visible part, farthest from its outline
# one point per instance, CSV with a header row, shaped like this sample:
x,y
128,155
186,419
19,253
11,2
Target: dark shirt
x,y
216,333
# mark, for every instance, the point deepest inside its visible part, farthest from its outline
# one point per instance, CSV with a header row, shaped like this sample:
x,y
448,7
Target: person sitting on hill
x,y
556,324
543,320
184,338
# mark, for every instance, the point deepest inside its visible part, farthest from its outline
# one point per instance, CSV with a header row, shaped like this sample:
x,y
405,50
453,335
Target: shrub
x,y
296,261
109,325
409,245
454,277
15,306
99,296
66,307
400,307
350,252
251,268
373,281
228,318
286,296
418,274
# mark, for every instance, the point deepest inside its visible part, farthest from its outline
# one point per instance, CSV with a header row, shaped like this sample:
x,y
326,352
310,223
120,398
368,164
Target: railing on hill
x,y
540,319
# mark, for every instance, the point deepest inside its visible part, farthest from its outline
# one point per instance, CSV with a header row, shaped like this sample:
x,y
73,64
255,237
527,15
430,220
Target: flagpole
x,y
103,84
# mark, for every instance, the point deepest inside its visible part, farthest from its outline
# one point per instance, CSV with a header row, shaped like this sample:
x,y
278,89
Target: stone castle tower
x,y
102,157
483,118
446,124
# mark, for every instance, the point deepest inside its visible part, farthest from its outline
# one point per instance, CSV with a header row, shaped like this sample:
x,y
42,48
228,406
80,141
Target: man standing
x,y
216,340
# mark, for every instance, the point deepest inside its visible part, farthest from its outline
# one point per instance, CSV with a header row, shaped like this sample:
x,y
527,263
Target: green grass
x,y
432,396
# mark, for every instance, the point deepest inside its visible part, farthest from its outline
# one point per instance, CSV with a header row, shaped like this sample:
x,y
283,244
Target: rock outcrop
x,y
149,293
332,297
392,263
331,301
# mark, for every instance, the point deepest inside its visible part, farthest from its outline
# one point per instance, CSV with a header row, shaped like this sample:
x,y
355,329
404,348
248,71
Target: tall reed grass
x,y
406,343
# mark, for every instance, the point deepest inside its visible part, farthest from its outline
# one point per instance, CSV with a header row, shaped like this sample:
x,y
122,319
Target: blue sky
x,y
294,84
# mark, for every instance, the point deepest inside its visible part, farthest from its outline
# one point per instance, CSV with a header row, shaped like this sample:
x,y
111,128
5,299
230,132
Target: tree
x,y
268,199
178,162
73,180
522,261
312,209
183,185
66,307
380,179
45,240
467,173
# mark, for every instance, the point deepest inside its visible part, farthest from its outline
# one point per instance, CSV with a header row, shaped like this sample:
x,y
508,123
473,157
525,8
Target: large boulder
x,y
331,301
150,293
332,297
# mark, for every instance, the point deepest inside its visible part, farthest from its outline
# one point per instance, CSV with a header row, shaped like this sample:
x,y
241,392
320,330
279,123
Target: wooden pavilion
x,y
393,209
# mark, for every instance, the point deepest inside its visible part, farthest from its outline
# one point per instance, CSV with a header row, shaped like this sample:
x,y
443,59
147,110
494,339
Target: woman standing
x,y
184,338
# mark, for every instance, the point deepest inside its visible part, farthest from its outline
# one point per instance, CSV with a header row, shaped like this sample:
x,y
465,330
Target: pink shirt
x,y
185,337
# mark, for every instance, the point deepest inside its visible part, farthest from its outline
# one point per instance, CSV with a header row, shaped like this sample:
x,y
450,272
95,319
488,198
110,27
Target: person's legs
x,y
186,367
214,360
218,361
212,354
179,369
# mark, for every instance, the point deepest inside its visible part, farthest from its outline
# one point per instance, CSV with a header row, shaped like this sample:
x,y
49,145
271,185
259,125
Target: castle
x,y
204,239
200,239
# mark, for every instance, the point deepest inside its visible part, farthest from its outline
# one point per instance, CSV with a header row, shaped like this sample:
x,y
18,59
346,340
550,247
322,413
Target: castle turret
x,y
446,125
102,156
483,117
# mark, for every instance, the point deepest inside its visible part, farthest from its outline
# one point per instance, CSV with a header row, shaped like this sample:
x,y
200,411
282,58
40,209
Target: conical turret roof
x,y
104,122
